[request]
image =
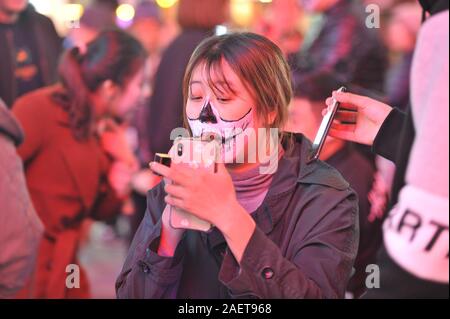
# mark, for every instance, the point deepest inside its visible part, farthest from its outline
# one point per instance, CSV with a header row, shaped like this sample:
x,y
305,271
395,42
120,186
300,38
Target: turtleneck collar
x,y
251,185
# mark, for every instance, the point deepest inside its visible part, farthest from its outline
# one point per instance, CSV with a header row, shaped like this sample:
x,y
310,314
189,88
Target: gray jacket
x,y
20,227
304,244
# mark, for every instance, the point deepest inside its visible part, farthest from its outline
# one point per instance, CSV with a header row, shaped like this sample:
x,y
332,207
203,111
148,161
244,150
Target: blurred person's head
x,y
305,111
147,32
317,6
403,26
95,18
238,80
110,4
105,81
202,14
10,10
147,25
281,24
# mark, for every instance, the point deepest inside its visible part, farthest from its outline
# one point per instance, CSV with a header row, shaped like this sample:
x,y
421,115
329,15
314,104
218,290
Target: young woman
x,y
289,234
73,170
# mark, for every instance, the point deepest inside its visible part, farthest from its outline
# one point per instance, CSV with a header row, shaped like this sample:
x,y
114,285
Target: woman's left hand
x,y
209,196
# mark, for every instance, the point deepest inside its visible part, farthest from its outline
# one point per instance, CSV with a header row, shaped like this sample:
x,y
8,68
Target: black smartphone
x,y
324,128
164,159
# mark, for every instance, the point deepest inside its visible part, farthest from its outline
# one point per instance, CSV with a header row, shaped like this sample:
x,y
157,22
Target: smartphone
x,y
201,155
164,159
324,128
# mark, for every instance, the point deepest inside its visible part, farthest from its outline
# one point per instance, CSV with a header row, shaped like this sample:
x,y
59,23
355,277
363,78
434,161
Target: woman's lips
x,y
211,136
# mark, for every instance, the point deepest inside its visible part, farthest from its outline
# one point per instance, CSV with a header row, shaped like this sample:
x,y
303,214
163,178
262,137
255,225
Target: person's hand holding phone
x,y
358,119
209,196
203,193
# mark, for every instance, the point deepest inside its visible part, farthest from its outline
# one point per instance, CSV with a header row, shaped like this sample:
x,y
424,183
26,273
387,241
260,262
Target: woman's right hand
x,y
360,119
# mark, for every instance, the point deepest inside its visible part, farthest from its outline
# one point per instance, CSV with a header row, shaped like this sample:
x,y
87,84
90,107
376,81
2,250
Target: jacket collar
x,y
292,171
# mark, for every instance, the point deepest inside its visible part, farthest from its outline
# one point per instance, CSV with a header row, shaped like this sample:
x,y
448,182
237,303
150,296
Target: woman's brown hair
x,y
114,55
260,65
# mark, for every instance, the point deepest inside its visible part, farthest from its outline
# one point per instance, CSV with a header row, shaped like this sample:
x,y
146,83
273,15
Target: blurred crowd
x,y
87,160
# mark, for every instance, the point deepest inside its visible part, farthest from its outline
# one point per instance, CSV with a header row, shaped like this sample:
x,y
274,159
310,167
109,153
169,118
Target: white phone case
x,y
200,155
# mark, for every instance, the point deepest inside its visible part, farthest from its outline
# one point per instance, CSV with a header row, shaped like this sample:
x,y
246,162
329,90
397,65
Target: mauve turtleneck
x,y
251,186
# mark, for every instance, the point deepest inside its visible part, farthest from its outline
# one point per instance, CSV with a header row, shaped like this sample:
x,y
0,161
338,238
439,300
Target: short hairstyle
x,y
260,65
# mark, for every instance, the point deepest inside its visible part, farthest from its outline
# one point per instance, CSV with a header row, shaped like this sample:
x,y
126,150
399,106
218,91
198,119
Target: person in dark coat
x,y
283,228
339,44
413,260
77,162
30,50
20,227
305,117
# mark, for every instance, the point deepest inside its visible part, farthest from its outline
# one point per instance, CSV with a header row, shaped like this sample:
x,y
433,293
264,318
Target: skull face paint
x,y
210,125
219,104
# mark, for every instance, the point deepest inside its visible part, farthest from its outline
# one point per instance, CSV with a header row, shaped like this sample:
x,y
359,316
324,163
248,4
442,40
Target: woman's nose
x,y
207,115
